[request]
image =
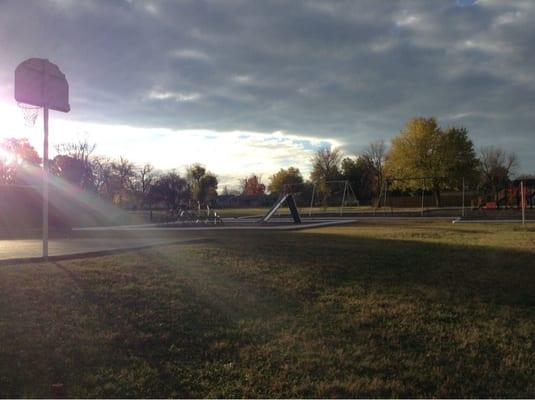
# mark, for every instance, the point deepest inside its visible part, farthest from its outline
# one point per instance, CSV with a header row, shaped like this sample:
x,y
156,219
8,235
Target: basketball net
x,y
30,113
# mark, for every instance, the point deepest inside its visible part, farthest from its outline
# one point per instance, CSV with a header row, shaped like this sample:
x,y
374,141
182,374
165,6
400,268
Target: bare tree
x,y
497,167
113,179
375,157
79,154
326,164
142,184
80,150
102,176
325,167
123,172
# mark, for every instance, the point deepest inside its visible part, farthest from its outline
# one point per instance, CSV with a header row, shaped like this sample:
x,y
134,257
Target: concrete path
x,y
31,248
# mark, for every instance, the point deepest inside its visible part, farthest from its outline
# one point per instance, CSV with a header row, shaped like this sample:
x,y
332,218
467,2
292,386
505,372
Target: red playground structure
x,y
511,196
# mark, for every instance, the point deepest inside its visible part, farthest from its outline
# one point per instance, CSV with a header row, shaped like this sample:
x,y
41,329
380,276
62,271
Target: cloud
x,y
190,54
232,155
344,70
164,95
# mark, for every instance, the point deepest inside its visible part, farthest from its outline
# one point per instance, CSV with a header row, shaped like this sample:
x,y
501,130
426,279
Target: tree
x,y
209,184
325,167
113,179
102,176
375,158
203,184
75,160
457,156
143,182
17,157
496,167
424,150
252,186
122,179
194,175
290,176
70,169
359,174
172,190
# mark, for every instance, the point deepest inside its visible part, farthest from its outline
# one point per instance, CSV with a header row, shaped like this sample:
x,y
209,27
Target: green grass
x,y
369,310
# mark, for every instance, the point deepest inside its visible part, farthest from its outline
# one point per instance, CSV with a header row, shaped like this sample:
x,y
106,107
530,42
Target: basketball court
x,y
29,250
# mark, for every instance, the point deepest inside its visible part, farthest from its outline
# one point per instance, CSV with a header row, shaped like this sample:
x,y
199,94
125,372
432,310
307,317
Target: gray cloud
x,y
354,71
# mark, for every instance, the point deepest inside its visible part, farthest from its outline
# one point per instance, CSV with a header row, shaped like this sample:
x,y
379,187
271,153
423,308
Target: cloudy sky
x,y
251,86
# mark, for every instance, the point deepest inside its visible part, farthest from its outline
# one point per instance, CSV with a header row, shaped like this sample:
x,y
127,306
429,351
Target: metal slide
x,y
291,205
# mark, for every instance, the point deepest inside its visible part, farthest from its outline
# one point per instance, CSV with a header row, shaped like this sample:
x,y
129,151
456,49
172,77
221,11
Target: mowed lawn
x,y
368,310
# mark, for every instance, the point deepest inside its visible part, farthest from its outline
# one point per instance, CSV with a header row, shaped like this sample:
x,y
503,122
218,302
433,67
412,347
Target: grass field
x,y
368,310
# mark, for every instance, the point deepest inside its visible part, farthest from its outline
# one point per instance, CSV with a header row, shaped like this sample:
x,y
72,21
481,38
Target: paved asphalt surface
x,y
12,249
32,248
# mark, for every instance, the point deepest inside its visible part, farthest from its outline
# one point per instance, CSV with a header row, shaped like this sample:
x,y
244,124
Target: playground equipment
x,y
519,194
424,195
297,194
290,200
199,216
340,189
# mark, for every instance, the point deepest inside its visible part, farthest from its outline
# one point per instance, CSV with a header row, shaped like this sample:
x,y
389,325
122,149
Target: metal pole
x,y
423,193
45,185
523,203
312,200
353,192
462,212
343,200
386,189
379,199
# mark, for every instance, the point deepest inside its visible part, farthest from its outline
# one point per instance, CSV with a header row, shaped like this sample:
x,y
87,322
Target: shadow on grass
x,y
286,314
501,276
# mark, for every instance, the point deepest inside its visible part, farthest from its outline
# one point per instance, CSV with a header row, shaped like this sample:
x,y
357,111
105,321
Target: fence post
x,y
523,202
343,199
462,212
312,200
386,189
423,193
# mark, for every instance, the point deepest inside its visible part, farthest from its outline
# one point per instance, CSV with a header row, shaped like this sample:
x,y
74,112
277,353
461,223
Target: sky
x,y
253,86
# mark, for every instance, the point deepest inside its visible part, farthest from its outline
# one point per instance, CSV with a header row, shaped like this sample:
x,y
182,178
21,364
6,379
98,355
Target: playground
x,y
413,291
370,309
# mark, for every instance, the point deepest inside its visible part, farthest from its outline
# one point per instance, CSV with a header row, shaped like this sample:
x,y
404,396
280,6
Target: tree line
x,y
118,181
446,157
442,158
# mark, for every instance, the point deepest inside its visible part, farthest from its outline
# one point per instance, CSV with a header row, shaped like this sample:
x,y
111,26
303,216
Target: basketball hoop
x,y
30,113
41,84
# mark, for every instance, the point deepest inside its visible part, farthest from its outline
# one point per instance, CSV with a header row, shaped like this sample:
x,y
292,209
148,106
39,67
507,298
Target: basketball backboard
x,y
41,83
